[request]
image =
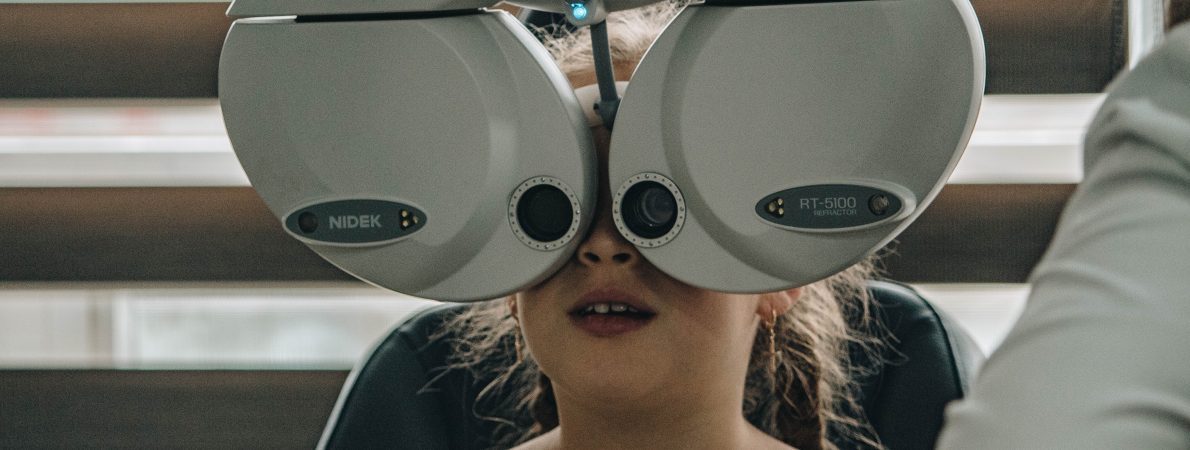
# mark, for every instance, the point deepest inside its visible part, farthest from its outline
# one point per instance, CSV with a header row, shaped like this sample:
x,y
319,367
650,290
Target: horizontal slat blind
x,y
95,50
165,409
977,233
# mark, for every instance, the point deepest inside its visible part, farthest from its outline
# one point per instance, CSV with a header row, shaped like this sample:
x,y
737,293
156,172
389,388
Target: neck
x,y
694,423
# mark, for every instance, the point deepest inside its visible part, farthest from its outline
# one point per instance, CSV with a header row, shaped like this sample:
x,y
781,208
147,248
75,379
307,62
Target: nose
x,y
605,247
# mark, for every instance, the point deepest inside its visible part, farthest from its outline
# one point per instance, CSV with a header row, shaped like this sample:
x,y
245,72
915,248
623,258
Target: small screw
x,y
776,208
879,204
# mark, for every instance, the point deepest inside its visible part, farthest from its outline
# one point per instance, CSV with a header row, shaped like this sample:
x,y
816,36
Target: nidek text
x,y
349,222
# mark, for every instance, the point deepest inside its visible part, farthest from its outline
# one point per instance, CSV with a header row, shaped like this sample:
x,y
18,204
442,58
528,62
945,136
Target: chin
x,y
619,391
613,381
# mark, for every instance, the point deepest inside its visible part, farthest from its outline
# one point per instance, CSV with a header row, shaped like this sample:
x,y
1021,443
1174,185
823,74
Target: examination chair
x,y
383,404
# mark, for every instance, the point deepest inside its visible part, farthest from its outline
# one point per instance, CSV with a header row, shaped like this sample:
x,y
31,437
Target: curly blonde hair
x,y
810,397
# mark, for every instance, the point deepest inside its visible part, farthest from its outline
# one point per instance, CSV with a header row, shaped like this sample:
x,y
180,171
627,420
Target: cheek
x,y
719,323
533,309
542,326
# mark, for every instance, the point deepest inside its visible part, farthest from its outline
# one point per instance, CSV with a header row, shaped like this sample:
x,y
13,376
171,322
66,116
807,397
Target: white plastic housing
x,y
260,8
449,115
736,103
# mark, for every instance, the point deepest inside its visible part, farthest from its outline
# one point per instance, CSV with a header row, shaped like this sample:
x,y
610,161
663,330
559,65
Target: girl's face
x,y
610,326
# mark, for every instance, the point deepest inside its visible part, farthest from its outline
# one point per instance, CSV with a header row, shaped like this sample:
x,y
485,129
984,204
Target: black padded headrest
x,y
937,360
386,403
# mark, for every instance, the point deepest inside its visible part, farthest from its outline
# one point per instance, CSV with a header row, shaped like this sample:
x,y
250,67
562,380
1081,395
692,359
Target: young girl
x,y
613,353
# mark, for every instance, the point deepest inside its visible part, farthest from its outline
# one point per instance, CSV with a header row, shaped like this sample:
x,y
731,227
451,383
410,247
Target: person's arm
x,y
1101,356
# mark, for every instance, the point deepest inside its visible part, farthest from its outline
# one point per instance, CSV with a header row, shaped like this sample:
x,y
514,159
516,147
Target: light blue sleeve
x,y
1101,356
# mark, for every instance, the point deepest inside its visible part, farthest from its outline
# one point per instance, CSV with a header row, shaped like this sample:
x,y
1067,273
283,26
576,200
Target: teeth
x,y
605,308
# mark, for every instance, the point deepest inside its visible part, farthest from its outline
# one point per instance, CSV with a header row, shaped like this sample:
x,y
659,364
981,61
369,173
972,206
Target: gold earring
x,y
518,341
774,354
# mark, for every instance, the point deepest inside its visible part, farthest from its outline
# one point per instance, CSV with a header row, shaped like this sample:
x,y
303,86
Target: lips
x,y
610,313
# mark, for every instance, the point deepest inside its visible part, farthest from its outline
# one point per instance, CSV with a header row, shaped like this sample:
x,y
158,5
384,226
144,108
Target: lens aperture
x,y
649,210
544,212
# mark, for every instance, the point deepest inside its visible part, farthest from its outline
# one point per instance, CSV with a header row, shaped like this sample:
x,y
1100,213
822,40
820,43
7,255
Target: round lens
x,y
649,210
657,206
545,213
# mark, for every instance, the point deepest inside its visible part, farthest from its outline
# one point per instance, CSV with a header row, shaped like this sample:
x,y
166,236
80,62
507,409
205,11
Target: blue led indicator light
x,y
579,11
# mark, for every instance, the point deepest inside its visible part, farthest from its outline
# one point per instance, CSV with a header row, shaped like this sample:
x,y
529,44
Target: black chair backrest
x,y
386,403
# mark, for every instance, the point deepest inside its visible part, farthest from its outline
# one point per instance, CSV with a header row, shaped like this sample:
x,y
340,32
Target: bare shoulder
x,y
547,441
764,441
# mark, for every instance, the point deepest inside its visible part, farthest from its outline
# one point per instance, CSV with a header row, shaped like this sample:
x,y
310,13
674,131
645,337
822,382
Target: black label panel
x,y
829,206
355,221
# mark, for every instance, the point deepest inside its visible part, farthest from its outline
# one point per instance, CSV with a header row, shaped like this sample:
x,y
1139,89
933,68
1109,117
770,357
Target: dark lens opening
x,y
545,213
649,210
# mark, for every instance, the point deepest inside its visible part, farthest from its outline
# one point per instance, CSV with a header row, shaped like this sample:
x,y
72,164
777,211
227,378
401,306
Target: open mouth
x,y
608,319
612,309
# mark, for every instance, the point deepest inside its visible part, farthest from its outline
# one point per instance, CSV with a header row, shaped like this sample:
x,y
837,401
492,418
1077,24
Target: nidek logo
x,y
352,222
